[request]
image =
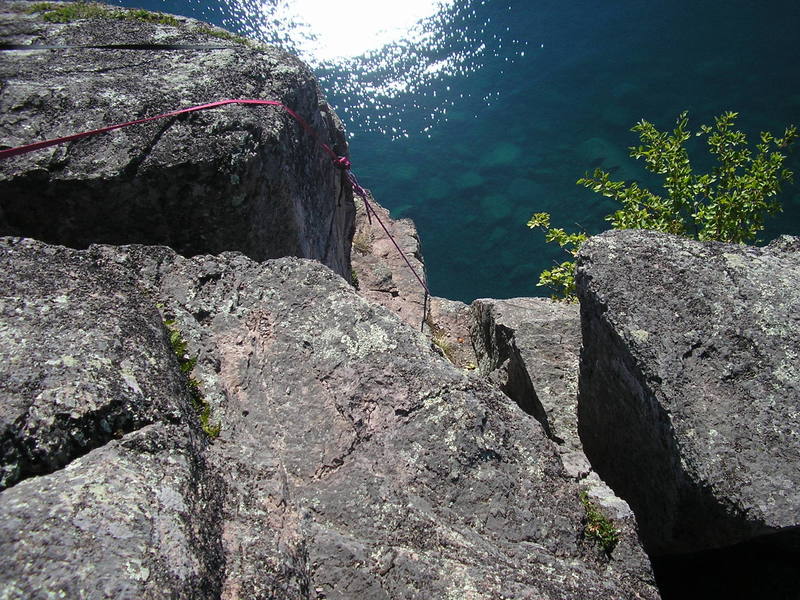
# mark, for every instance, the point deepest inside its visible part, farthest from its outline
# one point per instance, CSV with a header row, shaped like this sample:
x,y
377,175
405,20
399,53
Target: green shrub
x,y
561,278
598,527
728,204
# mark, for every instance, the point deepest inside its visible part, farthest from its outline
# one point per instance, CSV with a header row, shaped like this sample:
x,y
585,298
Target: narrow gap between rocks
x,y
754,570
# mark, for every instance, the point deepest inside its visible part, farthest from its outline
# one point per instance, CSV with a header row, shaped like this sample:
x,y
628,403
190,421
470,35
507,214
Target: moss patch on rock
x,y
187,363
74,11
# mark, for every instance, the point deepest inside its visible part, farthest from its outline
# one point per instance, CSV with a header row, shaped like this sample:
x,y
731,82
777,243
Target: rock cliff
x,y
689,385
352,460
205,413
244,178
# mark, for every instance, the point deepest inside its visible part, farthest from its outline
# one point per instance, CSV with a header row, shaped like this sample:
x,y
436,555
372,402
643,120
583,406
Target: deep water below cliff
x,y
505,104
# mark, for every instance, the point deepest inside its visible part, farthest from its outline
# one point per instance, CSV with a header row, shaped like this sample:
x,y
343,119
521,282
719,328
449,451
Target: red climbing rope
x,y
77,136
341,162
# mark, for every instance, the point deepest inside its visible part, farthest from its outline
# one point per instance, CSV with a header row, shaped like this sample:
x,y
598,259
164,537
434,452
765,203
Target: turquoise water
x,y
487,112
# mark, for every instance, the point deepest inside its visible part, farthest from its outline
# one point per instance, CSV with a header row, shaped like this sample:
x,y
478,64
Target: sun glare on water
x,y
393,66
326,31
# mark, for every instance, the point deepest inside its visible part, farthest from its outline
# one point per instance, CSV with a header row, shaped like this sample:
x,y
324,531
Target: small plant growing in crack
x,y
439,339
199,403
448,348
598,528
362,242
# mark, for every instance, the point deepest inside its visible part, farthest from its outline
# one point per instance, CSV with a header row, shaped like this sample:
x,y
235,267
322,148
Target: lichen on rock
x,y
690,354
246,178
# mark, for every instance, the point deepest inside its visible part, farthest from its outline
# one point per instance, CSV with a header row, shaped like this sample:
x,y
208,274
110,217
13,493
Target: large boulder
x,y
106,491
689,385
357,463
247,178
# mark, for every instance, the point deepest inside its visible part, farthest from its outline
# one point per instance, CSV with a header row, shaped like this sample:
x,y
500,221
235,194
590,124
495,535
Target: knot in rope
x,y
342,162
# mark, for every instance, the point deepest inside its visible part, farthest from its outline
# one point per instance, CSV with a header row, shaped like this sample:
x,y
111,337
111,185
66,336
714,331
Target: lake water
x,y
469,116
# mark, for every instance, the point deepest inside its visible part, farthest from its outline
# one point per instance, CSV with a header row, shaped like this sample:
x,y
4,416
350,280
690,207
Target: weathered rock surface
x,y
690,387
83,359
382,274
450,325
520,345
357,463
92,401
241,178
392,473
530,347
384,277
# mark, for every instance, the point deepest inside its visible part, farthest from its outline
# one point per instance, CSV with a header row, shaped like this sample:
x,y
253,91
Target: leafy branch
x,y
729,204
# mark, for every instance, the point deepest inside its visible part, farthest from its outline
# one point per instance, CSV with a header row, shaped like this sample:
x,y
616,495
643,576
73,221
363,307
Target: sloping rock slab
x,y
245,178
690,387
382,276
530,347
84,358
359,463
93,402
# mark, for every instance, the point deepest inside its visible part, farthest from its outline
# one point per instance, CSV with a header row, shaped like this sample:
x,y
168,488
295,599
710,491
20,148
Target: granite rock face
x,y
246,178
382,276
84,359
530,347
106,491
355,462
526,347
690,388
390,473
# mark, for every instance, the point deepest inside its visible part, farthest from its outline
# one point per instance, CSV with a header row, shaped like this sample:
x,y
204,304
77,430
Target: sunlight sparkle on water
x,y
382,60
326,31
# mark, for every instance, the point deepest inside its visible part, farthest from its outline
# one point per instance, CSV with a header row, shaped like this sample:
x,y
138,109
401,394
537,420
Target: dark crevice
x,y
202,316
691,350
22,459
404,412
756,569
209,278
